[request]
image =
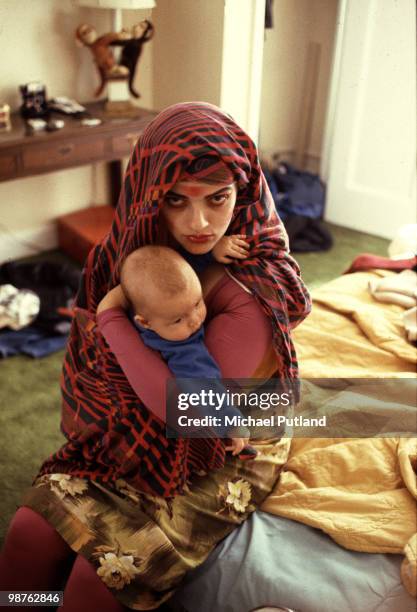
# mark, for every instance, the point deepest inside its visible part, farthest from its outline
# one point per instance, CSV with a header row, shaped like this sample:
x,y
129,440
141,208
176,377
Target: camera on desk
x,y
34,103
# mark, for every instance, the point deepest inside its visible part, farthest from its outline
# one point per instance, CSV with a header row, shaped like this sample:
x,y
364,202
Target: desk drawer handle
x,y
66,149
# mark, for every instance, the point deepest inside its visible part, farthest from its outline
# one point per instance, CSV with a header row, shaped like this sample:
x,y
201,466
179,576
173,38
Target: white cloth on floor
x,y
18,307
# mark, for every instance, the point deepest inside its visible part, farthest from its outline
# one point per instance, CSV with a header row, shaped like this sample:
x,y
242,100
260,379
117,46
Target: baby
x,y
154,273
166,297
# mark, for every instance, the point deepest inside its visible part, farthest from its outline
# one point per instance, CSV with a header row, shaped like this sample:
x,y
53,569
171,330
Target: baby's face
x,y
180,317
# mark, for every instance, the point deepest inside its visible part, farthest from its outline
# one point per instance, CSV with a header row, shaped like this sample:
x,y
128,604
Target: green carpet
x,y
30,395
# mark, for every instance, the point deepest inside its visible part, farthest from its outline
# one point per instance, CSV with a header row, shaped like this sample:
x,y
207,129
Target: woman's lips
x,y
200,238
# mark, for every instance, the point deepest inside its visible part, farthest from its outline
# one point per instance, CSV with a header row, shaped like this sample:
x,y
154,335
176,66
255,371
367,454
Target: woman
x,y
124,510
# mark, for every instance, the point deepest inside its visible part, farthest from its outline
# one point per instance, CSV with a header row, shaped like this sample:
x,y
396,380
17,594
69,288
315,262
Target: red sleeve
x,y
143,367
239,333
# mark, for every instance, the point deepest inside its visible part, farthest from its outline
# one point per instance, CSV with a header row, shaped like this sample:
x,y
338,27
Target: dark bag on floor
x,y
304,192
307,235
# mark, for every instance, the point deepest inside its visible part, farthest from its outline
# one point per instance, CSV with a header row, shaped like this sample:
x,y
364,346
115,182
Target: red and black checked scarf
x,y
110,434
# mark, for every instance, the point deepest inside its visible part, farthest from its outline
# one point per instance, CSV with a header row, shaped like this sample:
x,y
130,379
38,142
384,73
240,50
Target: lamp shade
x,y
117,4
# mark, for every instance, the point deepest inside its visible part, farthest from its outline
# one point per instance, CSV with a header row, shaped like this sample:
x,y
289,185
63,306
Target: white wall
x,y
296,23
210,50
187,51
37,43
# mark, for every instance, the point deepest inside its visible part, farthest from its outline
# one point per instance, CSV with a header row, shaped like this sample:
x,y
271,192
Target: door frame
x,y
241,77
333,90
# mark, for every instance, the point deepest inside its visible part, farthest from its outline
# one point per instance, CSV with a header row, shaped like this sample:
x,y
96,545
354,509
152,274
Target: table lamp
x,y
117,6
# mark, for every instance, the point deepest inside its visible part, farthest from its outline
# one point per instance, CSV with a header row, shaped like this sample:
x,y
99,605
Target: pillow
x,y
271,560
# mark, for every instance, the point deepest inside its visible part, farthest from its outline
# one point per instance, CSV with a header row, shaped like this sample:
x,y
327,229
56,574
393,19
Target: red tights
x,y
35,557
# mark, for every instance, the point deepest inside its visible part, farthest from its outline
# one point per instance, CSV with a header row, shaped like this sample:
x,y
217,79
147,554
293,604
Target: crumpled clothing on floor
x,y
30,341
18,307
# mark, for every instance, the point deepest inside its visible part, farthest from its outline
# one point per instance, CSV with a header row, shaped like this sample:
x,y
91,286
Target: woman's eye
x,y
217,200
174,201
177,321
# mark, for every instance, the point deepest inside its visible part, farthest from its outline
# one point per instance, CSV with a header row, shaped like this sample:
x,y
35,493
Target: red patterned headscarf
x,y
111,434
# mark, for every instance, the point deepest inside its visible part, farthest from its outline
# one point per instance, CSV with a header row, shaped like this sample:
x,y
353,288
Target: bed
x,y
338,532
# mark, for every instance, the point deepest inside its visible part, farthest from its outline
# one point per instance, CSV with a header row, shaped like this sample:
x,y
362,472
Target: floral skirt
x,y
142,546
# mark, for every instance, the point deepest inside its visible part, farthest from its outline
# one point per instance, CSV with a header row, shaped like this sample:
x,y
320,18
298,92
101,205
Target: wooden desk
x,y
23,154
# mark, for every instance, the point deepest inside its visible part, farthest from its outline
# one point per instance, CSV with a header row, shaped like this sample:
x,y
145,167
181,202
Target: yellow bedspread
x,y
362,492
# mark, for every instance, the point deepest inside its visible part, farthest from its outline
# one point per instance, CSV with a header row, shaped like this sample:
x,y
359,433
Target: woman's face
x,y
198,214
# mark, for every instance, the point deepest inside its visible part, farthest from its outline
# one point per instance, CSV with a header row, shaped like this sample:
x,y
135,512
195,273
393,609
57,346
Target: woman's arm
x,y
143,367
238,332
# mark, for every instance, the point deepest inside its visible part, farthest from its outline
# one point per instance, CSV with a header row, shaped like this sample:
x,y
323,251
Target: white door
x,y
370,143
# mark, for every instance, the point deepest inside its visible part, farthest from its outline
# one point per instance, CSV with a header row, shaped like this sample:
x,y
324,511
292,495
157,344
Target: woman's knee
x,y
34,556
29,530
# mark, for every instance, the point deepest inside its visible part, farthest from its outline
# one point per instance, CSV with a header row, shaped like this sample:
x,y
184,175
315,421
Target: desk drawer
x,y
60,154
8,166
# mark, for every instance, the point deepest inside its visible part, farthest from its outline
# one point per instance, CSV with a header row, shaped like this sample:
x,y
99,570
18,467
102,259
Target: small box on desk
x,y
78,232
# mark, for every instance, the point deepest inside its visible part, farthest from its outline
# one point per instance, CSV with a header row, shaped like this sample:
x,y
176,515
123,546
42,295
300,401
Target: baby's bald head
x,y
152,275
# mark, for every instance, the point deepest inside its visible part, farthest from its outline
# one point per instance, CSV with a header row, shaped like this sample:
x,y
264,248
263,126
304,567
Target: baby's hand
x,y
237,445
231,247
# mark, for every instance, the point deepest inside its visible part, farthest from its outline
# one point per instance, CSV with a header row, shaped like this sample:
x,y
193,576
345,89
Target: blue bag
x,y
304,192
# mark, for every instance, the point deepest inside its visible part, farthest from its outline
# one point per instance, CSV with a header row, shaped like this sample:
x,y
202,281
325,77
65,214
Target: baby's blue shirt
x,y
187,358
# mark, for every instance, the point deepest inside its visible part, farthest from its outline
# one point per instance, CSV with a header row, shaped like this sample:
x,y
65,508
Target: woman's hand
x,y
231,247
115,298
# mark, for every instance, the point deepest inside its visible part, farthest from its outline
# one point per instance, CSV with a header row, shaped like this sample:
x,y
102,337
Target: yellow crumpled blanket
x,y
360,491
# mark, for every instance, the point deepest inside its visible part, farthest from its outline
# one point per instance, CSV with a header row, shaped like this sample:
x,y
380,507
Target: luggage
x,y
299,198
